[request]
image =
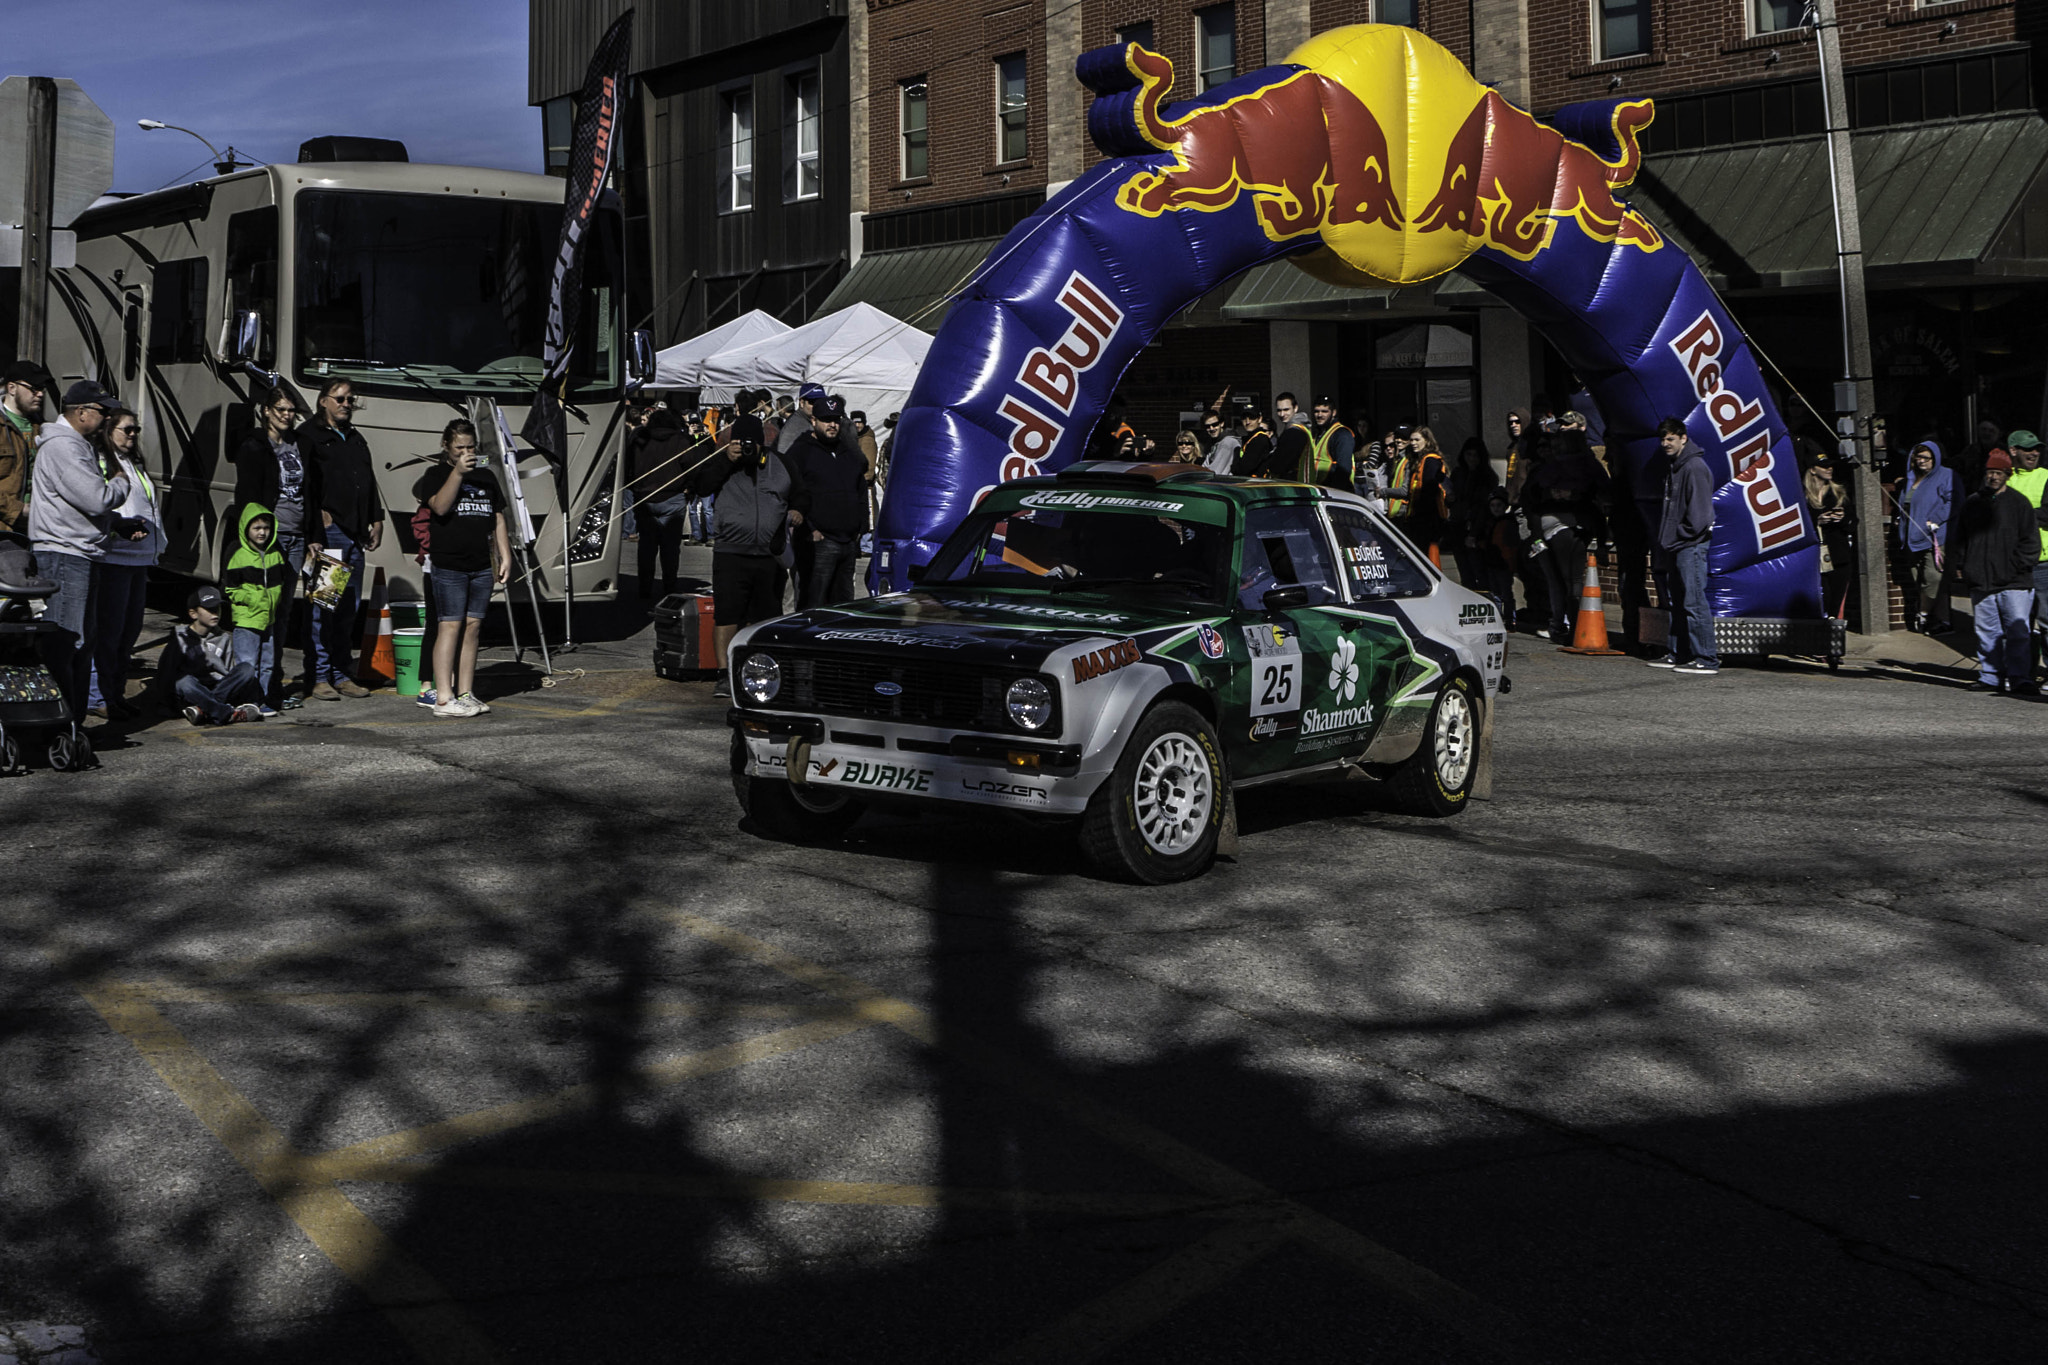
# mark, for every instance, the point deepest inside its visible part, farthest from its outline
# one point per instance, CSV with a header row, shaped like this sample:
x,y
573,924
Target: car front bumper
x,y
917,763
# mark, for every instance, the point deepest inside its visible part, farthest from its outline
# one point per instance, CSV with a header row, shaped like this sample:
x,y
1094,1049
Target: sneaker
x,y
195,716
1696,669
722,689
482,709
290,701
1666,662
248,711
456,708
348,687
264,710
324,691
426,698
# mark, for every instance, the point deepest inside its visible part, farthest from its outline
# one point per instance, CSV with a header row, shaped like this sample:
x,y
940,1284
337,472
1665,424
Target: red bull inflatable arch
x,y
1372,157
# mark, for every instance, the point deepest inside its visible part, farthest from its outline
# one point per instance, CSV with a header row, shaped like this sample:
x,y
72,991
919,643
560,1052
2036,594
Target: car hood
x,y
1011,628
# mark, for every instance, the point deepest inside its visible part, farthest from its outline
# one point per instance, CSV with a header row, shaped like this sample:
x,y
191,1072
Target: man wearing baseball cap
x,y
2030,481
197,670
2001,549
21,411
70,524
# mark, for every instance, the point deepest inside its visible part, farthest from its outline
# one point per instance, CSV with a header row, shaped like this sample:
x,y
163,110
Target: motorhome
x,y
426,287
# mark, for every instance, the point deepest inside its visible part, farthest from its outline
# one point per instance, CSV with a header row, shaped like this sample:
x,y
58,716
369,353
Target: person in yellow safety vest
x,y
1327,461
1415,492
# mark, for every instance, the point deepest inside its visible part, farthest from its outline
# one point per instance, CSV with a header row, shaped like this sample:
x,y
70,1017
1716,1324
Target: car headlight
x,y
1030,703
760,678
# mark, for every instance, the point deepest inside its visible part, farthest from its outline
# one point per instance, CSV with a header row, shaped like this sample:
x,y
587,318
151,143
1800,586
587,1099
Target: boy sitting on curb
x,y
255,580
198,666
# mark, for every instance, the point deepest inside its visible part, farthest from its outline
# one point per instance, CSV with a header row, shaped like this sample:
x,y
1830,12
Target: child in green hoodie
x,y
255,580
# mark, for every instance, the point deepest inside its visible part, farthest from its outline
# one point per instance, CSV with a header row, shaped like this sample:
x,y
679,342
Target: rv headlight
x,y
1030,703
760,678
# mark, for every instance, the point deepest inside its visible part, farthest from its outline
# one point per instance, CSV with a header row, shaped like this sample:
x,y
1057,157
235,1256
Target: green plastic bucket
x,y
408,614
408,646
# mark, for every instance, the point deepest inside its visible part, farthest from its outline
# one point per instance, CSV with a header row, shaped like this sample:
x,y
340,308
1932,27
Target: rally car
x,y
1126,645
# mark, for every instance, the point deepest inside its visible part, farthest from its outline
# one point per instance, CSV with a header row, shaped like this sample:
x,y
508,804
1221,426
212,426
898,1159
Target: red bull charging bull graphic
x,y
1370,158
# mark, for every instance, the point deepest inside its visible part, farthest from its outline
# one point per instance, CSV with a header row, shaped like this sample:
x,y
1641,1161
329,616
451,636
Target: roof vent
x,y
352,149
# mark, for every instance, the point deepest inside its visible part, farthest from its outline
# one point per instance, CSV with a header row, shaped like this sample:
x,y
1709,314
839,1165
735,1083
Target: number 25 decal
x,y
1276,684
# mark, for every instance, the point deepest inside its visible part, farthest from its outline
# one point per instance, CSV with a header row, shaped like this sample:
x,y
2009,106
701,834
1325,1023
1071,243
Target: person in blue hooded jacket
x,y
1927,504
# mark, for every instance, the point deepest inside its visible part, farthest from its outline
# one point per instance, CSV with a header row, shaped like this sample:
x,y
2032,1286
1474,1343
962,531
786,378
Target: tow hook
x,y
1506,684
797,760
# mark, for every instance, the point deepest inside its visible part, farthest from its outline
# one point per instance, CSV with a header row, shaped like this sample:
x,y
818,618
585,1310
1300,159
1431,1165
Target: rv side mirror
x,y
639,358
248,337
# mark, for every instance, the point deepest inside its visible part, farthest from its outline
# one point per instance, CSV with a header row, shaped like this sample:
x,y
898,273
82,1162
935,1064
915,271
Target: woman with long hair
x,y
272,472
1415,491
1186,449
1473,483
349,521
124,573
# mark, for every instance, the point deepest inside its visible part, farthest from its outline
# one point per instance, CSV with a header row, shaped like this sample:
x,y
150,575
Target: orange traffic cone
x,y
375,661
1589,636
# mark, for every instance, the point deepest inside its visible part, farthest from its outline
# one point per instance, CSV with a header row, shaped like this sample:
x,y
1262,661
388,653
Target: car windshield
x,y
1085,542
403,292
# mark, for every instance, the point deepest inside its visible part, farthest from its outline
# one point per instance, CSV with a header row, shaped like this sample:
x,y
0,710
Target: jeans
x,y
67,651
2005,652
629,516
331,628
459,594
258,649
292,545
215,703
1564,574
700,519
2041,595
119,625
661,532
1682,583
831,577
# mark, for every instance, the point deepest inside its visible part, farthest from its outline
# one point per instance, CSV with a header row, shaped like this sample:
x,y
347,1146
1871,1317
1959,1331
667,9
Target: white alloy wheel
x,y
1453,739
1172,793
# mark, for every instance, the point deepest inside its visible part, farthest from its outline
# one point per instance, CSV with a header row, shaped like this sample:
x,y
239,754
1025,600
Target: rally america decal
x,y
893,637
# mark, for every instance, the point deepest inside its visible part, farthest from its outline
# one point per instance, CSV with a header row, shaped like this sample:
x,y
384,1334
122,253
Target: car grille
x,y
956,696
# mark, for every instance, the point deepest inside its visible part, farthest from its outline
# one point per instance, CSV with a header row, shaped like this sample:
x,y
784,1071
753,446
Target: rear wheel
x,y
11,764
805,814
71,752
1438,779
1157,816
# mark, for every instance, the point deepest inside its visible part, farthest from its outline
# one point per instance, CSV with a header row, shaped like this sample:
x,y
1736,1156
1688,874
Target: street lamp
x,y
223,162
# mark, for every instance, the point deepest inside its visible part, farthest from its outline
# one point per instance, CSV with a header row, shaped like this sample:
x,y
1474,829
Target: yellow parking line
x,y
767,1190
612,703
1446,1302
418,1308
433,1137
173,993
312,948
1105,1323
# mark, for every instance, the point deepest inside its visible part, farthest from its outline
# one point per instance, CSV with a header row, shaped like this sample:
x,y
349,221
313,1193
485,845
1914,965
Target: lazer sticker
x,y
1018,793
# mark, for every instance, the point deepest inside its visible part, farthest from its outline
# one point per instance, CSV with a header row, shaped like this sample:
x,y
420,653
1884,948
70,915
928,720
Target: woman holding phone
x,y
468,515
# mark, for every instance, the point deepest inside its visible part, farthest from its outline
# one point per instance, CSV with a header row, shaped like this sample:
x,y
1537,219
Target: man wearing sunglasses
x,y
21,411
71,515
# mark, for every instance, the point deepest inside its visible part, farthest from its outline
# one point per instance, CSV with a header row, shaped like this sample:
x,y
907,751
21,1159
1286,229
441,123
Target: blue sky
x,y
446,77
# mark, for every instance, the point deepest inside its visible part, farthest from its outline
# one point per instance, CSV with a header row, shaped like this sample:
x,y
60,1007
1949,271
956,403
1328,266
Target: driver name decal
x,y
1109,659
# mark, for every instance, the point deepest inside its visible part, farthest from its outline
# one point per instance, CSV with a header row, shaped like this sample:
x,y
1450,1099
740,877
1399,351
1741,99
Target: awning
x,y
1279,290
907,283
1937,199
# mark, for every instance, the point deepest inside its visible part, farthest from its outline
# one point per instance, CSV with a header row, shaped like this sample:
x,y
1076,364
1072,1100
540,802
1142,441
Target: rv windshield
x,y
403,292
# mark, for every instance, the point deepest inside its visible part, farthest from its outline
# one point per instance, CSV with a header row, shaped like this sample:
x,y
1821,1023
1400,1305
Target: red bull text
x,y
1051,377
1700,348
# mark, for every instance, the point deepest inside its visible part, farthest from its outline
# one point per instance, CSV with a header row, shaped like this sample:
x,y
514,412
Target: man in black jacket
x,y
1680,563
760,498
2001,545
836,506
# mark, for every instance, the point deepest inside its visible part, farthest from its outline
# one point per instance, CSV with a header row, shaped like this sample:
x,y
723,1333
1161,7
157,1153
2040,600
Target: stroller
x,y
32,705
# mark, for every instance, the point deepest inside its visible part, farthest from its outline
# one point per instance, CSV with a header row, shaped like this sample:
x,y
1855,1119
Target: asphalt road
x,y
1721,1034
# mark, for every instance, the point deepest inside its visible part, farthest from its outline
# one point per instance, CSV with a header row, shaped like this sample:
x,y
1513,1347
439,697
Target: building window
x,y
800,136
736,152
1217,33
1775,16
1139,33
1400,12
1012,134
557,124
913,102
1624,28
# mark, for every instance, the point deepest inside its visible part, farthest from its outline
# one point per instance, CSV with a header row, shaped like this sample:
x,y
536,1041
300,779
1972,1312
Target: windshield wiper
x,y
388,367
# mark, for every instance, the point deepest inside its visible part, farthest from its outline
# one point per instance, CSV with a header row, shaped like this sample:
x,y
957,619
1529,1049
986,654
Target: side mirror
x,y
1287,598
639,358
247,338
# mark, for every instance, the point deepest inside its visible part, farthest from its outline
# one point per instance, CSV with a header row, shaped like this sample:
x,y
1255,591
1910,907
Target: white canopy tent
x,y
859,352
681,365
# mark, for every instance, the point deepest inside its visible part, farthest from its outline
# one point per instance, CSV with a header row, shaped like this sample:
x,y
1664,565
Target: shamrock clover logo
x,y
1344,670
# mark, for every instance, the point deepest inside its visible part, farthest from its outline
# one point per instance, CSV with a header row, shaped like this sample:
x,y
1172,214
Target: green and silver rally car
x,y
1126,646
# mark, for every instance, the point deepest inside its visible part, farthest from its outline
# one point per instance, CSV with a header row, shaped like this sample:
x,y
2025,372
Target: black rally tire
x,y
1437,780
1156,817
783,811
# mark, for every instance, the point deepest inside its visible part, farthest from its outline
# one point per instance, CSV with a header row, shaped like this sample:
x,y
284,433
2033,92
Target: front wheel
x,y
1438,779
1157,817
782,810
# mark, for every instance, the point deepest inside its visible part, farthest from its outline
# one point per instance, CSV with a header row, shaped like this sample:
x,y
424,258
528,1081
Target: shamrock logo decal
x,y
1344,670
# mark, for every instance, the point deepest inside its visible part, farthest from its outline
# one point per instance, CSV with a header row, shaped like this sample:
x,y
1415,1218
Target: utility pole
x,y
1855,399
38,205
